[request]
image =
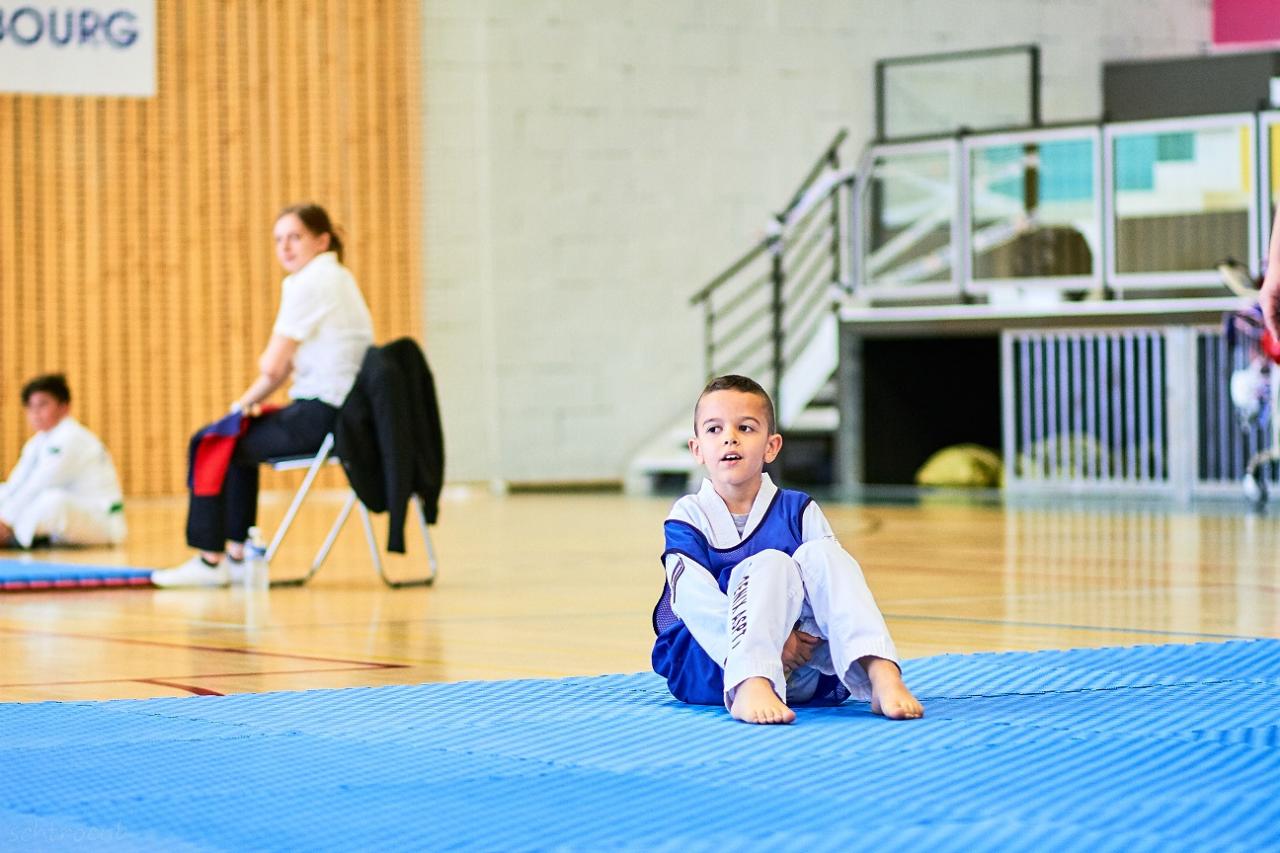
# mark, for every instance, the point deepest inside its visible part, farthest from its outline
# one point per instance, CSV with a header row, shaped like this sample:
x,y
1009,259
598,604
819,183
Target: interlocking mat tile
x,y
1162,748
24,575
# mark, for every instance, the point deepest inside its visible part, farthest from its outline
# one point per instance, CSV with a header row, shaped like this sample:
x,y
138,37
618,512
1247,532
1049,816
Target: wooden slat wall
x,y
135,235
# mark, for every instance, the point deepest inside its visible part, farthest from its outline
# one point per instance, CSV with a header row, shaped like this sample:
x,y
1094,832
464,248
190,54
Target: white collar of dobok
x,y
723,532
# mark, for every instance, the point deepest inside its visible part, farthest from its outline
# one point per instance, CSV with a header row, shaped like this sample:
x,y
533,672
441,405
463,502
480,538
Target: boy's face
x,y
732,438
45,411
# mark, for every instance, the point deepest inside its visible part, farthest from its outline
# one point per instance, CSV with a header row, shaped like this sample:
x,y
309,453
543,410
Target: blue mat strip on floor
x,y
1147,748
24,575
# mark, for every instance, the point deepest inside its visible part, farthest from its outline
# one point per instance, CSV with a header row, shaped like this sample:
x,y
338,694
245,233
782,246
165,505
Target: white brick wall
x,y
591,163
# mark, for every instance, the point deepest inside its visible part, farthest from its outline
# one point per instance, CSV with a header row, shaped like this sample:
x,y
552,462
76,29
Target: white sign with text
x,y
90,48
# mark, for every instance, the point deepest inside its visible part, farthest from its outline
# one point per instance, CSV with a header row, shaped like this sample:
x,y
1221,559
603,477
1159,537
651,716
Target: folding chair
x,y
313,464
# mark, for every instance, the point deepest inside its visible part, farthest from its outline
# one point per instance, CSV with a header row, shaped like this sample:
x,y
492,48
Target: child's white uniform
x,y
741,614
64,487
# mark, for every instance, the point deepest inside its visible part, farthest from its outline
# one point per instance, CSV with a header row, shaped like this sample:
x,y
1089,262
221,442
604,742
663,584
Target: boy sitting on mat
x,y
762,608
64,489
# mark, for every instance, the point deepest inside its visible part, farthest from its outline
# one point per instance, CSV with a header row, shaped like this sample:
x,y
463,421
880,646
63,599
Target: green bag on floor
x,y
962,465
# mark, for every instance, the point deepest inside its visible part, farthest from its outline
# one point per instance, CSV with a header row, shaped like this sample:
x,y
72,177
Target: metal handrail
x,y
806,287
805,247
745,296
733,269
746,323
807,318
750,346
807,331
829,157
804,250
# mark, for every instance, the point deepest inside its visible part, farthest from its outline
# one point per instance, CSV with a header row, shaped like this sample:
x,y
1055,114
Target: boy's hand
x,y
797,650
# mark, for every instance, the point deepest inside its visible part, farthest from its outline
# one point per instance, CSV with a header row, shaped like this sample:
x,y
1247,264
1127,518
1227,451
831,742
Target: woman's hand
x,y
798,650
1269,299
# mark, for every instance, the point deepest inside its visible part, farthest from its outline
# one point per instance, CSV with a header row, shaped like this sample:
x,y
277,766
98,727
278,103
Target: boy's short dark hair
x,y
734,382
53,384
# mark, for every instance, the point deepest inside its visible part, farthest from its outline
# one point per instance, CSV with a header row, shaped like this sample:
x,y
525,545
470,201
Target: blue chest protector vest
x,y
692,676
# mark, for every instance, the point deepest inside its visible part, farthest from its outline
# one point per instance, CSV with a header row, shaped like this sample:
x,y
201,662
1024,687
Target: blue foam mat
x,y
1147,748
24,574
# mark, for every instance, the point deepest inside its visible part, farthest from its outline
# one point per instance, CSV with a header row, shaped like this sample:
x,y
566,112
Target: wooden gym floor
x,y
557,585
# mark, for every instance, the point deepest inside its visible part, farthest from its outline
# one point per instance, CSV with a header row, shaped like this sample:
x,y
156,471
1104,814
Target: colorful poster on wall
x,y
88,48
1246,22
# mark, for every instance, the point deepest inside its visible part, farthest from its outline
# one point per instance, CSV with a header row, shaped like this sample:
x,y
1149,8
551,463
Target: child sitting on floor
x,y
64,489
762,608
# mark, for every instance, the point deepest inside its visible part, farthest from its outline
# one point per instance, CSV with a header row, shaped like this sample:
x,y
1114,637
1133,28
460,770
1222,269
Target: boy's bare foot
x,y
755,702
889,695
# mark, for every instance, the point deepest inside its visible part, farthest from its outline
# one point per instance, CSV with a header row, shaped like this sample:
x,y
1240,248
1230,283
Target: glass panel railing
x,y
937,94
1151,205
908,210
1035,208
1182,198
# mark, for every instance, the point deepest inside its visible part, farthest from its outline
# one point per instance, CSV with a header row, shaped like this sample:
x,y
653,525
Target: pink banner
x,y
1242,22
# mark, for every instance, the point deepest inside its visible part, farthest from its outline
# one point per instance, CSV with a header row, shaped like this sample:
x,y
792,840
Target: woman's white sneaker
x,y
194,572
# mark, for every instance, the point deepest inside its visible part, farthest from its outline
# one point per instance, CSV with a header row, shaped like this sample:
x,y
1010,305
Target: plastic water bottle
x,y
255,560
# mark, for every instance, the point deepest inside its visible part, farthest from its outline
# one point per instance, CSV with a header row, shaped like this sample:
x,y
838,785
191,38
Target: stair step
x,y
824,419
673,462
827,395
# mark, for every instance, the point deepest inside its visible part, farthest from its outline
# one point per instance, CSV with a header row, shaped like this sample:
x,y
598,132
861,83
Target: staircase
x,y
771,315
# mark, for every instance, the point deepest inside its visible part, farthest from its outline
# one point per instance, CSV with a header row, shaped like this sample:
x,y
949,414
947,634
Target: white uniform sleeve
x,y
696,598
52,465
19,471
305,302
813,524
26,461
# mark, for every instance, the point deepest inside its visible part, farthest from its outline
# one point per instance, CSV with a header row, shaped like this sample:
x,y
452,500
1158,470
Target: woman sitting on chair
x,y
320,337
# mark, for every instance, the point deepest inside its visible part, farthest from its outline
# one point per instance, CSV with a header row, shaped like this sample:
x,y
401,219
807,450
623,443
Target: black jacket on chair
x,y
388,435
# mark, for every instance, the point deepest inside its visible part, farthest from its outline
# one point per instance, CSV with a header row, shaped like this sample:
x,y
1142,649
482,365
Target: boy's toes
x,y
895,701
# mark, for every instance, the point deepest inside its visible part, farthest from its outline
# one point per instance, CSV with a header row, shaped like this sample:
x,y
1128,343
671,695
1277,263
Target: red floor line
x,y
199,691
188,646
200,676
